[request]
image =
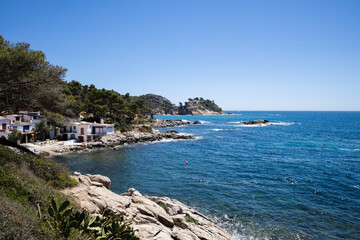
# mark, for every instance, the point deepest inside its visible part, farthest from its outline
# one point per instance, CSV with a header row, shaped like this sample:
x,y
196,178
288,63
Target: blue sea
x,y
308,188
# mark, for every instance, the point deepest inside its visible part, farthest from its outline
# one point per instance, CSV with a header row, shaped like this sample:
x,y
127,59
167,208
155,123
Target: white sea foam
x,y
168,140
184,134
283,123
222,129
204,122
267,124
253,125
236,229
350,150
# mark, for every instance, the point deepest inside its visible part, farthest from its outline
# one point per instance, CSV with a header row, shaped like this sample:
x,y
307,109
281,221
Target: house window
x,y
110,129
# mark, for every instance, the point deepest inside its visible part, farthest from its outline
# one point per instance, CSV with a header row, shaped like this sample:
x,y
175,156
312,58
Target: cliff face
x,y
200,107
157,218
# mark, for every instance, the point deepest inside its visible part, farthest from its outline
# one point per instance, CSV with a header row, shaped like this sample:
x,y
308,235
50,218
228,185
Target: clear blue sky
x,y
245,55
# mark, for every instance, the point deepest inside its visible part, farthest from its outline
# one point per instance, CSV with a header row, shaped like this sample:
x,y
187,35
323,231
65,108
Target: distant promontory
x,y
194,106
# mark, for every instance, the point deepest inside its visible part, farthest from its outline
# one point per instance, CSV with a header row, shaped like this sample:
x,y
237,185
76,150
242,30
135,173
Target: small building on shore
x,y
24,122
5,126
86,131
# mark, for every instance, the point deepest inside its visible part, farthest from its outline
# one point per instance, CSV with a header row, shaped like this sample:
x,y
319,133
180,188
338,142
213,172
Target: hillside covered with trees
x,y
159,105
29,82
194,106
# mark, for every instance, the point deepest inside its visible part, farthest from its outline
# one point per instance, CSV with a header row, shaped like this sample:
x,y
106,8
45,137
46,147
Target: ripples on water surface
x,y
304,190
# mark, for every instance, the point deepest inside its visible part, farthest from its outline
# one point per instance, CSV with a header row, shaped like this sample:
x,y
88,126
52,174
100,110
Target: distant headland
x,y
160,105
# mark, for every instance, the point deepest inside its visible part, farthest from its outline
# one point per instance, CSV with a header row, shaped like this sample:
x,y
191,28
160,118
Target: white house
x,y
24,127
25,116
23,122
5,125
85,131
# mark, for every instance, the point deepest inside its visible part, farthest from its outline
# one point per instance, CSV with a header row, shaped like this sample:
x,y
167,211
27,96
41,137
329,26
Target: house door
x,y
82,131
4,126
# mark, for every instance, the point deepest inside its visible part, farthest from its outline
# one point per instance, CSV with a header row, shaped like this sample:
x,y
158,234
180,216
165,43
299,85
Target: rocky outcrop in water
x,y
255,122
159,123
159,218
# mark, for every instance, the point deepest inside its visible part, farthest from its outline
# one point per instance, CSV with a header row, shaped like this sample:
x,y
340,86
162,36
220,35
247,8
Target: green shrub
x,y
44,154
65,222
20,191
52,172
12,188
24,183
20,222
15,135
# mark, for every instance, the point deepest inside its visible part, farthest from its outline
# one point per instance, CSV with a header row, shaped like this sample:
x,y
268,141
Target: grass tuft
x,y
163,205
190,219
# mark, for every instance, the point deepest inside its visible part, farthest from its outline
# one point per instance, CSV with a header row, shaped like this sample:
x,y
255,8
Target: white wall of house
x,y
23,126
5,124
74,130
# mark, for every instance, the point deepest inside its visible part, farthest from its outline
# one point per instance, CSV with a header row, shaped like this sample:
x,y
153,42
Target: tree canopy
x,y
29,82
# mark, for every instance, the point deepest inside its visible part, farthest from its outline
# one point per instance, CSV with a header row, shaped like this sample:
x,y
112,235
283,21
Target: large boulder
x,y
158,218
105,181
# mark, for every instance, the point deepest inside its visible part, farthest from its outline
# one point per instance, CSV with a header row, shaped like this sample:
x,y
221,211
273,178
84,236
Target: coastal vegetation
x,y
199,106
70,224
26,181
29,82
93,103
160,105
15,136
29,185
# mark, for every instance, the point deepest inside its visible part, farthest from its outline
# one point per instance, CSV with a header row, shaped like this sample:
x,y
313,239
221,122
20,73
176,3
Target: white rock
x,y
150,220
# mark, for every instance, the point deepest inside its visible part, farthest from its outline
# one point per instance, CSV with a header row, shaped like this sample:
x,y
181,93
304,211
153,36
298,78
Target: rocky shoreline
x,y
158,218
114,141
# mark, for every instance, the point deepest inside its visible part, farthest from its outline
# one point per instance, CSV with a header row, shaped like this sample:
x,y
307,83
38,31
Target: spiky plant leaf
x,y
64,205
